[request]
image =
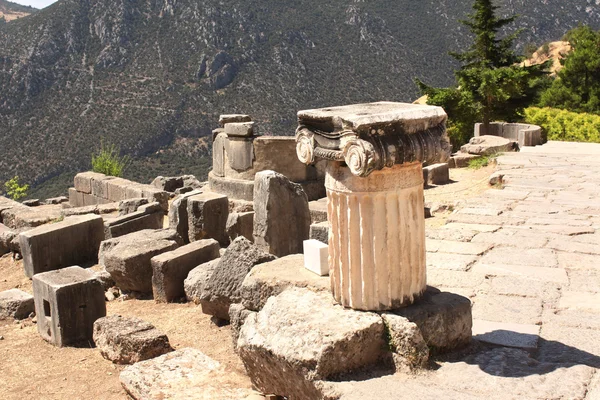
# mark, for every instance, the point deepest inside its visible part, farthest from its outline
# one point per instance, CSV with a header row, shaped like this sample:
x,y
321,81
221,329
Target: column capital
x,y
373,136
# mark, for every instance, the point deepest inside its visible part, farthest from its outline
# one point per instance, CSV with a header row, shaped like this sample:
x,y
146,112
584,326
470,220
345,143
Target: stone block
x,y
183,374
234,188
272,278
129,340
223,286
67,303
240,154
443,318
15,303
237,316
282,217
131,205
239,129
456,262
506,334
170,269
315,257
233,118
168,183
318,210
220,145
487,145
105,279
178,215
133,222
156,195
128,259
31,217
436,174
56,200
406,342
286,162
324,341
75,198
116,189
83,181
72,241
207,217
31,203
99,185
461,160
6,238
240,224
197,279
320,232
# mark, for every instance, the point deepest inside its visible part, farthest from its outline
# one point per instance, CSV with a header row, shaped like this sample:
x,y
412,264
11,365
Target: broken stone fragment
x,y
129,340
240,129
406,342
223,286
306,335
197,278
233,118
207,217
15,303
487,145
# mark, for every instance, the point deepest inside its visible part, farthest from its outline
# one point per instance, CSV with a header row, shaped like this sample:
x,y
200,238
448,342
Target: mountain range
x,y
10,11
152,76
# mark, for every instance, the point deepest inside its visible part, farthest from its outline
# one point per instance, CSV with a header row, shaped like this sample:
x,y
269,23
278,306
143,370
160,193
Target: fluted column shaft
x,y
377,236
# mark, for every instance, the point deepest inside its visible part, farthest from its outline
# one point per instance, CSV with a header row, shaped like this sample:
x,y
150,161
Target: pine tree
x,y
492,84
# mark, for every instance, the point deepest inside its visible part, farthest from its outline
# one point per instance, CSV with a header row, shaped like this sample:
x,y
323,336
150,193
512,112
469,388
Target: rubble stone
x,y
240,224
282,217
197,278
207,217
15,303
129,340
487,145
407,343
178,215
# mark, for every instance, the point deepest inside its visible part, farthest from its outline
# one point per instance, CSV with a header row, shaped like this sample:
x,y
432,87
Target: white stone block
x,y
315,257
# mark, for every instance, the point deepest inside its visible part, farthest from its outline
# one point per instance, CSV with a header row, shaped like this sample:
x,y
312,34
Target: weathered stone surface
x,y
67,303
272,278
56,200
449,246
456,262
223,287
443,318
240,224
146,234
129,340
436,174
197,279
320,232
15,303
83,181
178,215
529,257
31,202
556,275
318,210
233,118
239,129
105,279
461,160
128,261
180,375
282,217
129,206
237,316
149,216
325,340
6,238
511,309
170,269
407,343
72,241
487,145
506,334
207,217
31,217
559,344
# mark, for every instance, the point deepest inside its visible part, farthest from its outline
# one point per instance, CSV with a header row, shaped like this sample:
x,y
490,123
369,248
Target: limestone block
x,y
223,287
237,316
31,203
220,146
320,232
436,174
128,261
197,279
133,222
318,210
507,334
83,181
207,217
72,241
461,160
105,279
67,303
30,217
117,189
324,340
156,195
75,198
487,145
240,224
131,205
170,269
99,185
233,118
240,154
93,200
183,374
282,217
315,257
443,318
286,162
129,340
146,234
15,303
168,183
178,215
56,200
239,129
6,237
234,188
272,278
407,343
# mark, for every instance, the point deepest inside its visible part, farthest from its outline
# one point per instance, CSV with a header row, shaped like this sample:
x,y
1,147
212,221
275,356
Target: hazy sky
x,y
35,3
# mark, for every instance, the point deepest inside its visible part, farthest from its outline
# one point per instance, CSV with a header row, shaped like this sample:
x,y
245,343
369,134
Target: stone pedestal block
x,y
67,303
377,246
315,257
281,214
207,217
170,269
72,241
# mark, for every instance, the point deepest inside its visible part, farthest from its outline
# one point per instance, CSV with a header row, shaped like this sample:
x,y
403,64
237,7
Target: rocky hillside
x,y
10,11
152,76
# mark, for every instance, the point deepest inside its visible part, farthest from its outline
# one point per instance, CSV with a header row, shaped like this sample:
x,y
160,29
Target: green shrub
x,y
565,125
483,161
14,190
108,161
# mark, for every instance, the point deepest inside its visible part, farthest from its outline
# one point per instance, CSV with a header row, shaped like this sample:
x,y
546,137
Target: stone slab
x,y
207,217
506,334
509,309
15,303
448,246
580,301
557,275
456,262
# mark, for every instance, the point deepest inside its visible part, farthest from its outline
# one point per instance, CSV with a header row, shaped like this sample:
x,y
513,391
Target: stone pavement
x,y
528,256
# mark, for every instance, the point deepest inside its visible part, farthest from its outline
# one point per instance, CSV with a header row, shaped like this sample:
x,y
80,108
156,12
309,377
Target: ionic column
x,y
377,237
